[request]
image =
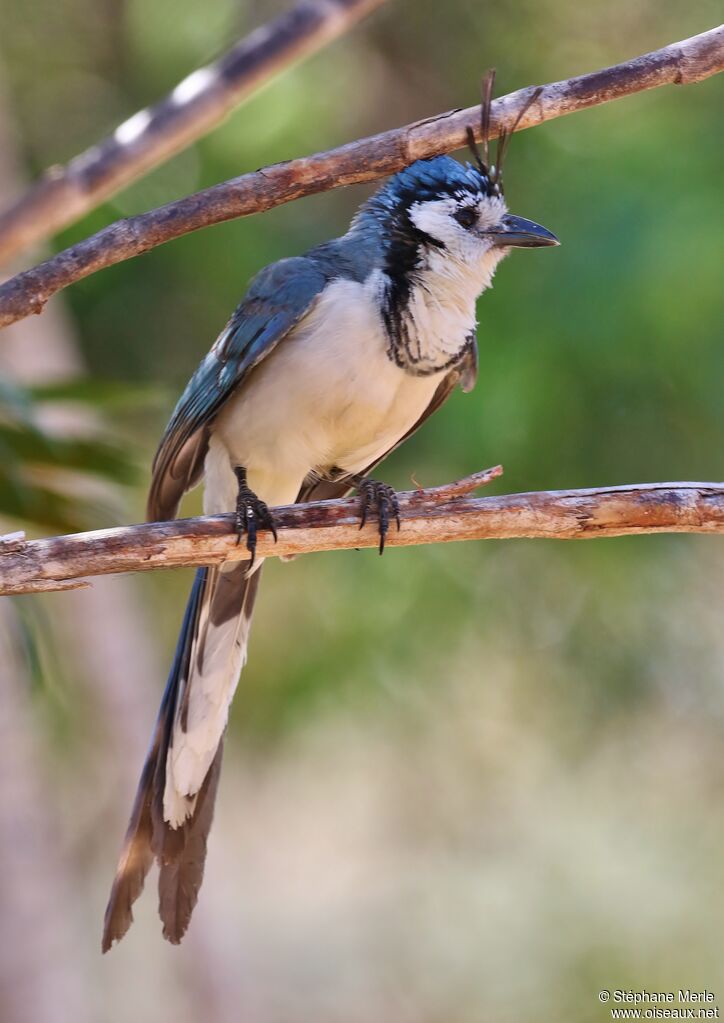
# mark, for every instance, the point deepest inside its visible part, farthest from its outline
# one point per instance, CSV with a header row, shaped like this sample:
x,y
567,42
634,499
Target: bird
x,y
330,362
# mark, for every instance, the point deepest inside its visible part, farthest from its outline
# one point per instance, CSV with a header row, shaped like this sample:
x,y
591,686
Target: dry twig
x,y
152,136
690,60
438,515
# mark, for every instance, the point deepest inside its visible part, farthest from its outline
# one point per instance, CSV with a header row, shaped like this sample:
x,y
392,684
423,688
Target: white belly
x,y
327,396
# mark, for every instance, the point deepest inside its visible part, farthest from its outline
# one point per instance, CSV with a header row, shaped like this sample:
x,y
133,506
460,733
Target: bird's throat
x,y
430,317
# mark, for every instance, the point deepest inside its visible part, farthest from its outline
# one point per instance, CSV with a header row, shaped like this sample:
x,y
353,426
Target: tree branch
x,y
192,109
438,515
365,160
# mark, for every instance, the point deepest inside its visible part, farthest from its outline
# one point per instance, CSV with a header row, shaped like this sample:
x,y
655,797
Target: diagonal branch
x,y
439,515
365,160
193,108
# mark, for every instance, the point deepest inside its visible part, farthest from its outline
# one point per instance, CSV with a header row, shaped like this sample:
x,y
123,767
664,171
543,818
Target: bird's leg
x,y
251,513
382,495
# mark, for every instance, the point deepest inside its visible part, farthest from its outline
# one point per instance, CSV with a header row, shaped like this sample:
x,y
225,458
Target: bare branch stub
x,y
690,60
150,137
438,515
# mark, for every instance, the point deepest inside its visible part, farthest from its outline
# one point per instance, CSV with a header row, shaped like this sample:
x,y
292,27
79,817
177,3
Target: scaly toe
x,y
251,515
384,497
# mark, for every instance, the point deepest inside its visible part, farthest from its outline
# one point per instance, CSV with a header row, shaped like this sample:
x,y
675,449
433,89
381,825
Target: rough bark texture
x,y
690,60
439,515
153,135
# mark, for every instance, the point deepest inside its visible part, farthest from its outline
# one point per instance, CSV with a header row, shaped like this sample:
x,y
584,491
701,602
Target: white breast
x,y
328,395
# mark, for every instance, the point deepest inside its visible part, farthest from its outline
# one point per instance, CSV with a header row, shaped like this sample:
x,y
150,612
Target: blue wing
x,y
278,297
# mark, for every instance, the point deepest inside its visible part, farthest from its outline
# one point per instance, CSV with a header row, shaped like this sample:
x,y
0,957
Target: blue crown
x,y
427,180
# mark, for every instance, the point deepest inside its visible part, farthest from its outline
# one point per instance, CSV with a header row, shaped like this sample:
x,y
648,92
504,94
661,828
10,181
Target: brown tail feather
x,y
180,851
140,844
137,853
182,856
134,863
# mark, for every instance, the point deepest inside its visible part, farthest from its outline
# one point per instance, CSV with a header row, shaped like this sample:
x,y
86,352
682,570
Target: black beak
x,y
520,233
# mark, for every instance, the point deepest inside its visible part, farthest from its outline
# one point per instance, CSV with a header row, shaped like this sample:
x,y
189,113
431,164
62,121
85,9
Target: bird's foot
x,y
382,495
251,514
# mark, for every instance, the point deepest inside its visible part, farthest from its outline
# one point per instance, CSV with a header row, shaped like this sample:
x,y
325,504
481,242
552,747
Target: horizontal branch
x,y
365,160
193,108
438,515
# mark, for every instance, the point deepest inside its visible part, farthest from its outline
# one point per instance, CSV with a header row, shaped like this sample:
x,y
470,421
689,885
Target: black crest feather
x,y
481,153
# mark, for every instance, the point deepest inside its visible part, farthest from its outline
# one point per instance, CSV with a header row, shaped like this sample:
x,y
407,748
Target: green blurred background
x,y
462,783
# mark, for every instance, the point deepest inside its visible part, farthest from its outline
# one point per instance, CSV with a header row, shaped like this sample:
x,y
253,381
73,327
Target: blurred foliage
x,y
49,478
534,728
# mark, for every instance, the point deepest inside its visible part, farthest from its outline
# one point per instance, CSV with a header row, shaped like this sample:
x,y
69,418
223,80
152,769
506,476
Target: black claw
x,y
251,513
396,510
371,492
383,507
367,492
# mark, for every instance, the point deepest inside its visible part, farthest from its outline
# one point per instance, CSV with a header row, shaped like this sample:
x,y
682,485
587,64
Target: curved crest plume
x,y
481,154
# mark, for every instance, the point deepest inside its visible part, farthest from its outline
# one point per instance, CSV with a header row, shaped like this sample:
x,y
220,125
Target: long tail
x,y
174,804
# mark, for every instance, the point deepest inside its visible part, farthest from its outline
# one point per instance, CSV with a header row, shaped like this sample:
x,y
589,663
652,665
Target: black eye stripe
x,y
466,217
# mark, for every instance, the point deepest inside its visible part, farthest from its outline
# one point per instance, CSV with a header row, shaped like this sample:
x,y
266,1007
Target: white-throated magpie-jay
x,y
331,360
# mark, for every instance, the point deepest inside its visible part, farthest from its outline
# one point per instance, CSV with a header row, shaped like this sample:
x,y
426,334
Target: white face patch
x,y
466,245
438,317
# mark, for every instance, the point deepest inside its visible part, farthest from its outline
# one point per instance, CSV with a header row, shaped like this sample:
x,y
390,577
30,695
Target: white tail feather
x,y
217,657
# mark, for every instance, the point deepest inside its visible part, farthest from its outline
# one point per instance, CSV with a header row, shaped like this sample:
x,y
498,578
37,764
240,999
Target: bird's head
x,y
446,205
457,210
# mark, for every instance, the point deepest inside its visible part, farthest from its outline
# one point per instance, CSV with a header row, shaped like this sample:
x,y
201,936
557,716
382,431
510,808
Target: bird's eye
x,y
466,217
